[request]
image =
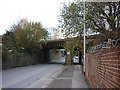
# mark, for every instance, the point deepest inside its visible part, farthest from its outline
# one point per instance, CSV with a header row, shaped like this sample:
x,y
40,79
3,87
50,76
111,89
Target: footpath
x,y
71,77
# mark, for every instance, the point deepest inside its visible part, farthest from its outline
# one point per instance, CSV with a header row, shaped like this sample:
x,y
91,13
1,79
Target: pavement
x,y
71,77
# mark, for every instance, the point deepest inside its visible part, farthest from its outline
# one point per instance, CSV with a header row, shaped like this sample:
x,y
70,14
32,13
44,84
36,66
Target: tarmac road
x,y
34,76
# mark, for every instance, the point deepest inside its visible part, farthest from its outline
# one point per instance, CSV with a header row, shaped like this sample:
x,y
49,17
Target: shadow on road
x,y
56,62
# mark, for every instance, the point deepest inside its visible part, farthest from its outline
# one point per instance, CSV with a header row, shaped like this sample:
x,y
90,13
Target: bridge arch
x,y
77,52
51,45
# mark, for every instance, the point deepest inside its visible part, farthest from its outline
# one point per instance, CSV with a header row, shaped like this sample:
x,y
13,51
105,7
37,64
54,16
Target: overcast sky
x,y
44,11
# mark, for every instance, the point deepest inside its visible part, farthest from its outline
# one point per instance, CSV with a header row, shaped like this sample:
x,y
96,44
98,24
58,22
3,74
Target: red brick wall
x,y
103,68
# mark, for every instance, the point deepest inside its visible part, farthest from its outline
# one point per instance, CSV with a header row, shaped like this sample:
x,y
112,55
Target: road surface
x,y
34,76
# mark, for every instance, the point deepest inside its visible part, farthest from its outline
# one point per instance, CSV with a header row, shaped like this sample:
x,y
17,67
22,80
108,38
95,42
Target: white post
x,y
84,41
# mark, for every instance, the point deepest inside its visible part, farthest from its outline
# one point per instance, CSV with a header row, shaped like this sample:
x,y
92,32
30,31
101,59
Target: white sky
x,y
44,11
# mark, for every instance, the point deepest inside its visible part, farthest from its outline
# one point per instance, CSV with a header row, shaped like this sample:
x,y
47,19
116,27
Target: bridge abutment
x,y
69,59
46,55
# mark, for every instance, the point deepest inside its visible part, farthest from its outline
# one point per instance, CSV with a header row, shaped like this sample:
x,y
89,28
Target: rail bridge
x,y
59,44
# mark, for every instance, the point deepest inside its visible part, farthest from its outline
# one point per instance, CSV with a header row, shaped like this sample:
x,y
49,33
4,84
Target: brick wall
x,y
68,60
103,68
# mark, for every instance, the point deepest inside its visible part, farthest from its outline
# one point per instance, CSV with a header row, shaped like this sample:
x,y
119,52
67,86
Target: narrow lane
x,y
23,77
